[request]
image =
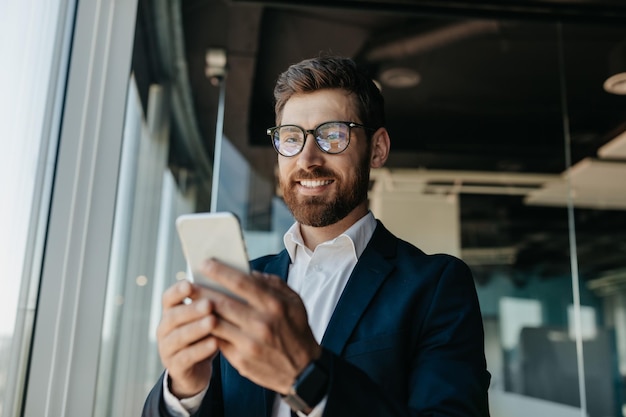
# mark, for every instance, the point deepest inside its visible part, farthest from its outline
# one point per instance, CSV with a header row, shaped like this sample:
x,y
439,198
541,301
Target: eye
x,y
291,139
333,131
335,135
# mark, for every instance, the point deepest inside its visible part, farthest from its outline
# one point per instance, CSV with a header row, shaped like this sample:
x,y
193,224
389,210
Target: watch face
x,y
311,385
296,403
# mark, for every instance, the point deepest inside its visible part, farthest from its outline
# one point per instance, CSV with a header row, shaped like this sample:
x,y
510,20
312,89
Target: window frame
x,y
64,358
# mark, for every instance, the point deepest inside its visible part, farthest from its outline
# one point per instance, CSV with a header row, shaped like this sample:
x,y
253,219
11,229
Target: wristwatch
x,y
310,386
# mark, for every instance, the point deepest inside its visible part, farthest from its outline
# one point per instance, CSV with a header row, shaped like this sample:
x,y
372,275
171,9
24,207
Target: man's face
x,y
319,188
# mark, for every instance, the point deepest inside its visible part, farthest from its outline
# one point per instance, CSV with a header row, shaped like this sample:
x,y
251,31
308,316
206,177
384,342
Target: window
x,y
30,115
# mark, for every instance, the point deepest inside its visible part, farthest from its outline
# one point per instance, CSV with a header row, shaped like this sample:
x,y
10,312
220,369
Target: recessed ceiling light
x,y
399,77
616,84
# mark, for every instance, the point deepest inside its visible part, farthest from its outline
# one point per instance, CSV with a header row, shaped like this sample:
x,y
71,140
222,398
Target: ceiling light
x,y
215,69
616,84
399,77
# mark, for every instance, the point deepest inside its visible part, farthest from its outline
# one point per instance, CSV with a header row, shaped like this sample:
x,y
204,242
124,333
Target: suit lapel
x,y
279,265
368,274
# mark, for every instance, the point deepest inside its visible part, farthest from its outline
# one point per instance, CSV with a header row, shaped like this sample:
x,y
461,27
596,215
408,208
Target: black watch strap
x,y
310,386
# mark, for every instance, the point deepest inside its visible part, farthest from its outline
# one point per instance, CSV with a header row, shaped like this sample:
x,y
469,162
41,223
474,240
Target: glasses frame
x,y
305,132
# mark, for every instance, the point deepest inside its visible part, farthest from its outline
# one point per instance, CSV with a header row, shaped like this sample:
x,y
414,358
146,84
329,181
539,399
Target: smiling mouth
x,y
314,183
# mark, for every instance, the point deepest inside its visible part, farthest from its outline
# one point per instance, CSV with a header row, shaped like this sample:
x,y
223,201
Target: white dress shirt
x,y
319,277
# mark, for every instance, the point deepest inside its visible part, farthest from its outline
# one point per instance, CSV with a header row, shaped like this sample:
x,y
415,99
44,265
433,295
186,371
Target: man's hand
x,y
184,339
267,338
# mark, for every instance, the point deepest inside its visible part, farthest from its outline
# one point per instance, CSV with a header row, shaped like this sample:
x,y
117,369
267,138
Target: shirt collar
x,y
359,234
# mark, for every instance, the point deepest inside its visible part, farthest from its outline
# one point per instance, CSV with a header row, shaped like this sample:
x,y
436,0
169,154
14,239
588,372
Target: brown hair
x,y
328,72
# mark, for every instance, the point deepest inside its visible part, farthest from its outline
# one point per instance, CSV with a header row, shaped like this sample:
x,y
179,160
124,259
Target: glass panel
x,y
594,187
29,144
487,143
146,258
237,180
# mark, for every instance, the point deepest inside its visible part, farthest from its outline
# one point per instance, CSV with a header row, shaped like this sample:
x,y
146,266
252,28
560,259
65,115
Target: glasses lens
x,y
288,140
333,137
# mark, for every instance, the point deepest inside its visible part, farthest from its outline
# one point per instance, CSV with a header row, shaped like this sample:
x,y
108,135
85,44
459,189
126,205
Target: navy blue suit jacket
x,y
406,339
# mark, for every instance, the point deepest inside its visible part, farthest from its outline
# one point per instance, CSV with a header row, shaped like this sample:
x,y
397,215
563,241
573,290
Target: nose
x,y
311,155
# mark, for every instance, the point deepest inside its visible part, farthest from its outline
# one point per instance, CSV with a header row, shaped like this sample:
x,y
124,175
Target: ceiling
x,y
503,87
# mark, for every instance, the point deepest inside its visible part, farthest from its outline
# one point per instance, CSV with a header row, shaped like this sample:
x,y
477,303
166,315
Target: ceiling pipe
x,y
424,42
171,46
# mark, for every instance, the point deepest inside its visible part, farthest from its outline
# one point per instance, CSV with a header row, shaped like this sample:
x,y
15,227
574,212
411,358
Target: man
x,y
365,325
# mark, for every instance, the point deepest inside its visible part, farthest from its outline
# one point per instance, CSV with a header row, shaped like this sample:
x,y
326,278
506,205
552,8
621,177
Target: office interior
x,y
508,130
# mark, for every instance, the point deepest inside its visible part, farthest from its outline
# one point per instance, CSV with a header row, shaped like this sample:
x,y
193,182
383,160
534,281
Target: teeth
x,y
314,183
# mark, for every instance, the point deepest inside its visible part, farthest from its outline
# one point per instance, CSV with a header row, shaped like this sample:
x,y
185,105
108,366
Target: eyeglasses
x,y
331,137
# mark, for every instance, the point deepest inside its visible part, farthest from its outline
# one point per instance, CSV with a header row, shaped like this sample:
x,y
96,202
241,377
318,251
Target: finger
x,y
254,291
234,310
249,336
193,354
185,361
177,293
272,281
231,338
187,335
282,294
182,314
248,356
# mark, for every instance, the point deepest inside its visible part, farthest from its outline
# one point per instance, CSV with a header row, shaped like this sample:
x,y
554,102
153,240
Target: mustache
x,y
315,173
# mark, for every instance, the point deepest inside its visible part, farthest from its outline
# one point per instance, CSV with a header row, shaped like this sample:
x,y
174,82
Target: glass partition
x,y
593,190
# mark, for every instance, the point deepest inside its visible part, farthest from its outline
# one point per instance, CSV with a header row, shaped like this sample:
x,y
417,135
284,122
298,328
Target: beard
x,y
320,211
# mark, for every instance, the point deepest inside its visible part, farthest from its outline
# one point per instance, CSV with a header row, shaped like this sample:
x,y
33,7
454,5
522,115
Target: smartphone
x,y
205,236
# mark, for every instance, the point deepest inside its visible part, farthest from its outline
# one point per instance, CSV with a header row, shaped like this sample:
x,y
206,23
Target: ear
x,y
381,144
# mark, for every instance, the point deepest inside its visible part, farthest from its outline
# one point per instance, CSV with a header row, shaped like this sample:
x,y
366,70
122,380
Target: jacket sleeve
x,y
211,406
154,405
446,373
